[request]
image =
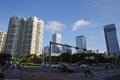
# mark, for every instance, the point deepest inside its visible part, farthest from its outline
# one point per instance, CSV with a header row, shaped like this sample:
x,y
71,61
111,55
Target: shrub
x,y
1,75
30,64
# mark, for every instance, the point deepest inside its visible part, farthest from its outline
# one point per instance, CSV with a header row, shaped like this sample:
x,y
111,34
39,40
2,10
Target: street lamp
x,y
49,68
49,56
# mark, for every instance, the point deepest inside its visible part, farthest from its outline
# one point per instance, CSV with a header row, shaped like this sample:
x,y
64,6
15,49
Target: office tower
x,y
66,49
2,41
56,38
46,50
111,40
24,36
97,51
81,44
90,51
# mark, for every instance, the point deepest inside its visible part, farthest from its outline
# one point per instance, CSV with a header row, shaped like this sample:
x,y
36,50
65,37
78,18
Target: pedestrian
x,y
87,71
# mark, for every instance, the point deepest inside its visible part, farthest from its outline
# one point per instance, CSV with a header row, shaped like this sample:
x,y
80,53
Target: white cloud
x,y
54,26
79,23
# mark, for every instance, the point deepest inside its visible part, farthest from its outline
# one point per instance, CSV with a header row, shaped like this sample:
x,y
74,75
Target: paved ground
x,y
44,76
106,75
35,73
115,77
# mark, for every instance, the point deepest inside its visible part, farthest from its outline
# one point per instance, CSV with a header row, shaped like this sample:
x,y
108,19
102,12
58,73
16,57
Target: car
x,y
65,68
83,65
53,65
45,65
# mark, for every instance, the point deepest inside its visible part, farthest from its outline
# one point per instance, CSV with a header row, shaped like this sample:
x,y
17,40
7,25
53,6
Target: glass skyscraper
x,y
81,43
111,40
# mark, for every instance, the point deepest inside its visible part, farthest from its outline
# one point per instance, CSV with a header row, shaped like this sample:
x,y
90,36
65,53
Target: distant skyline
x,y
67,17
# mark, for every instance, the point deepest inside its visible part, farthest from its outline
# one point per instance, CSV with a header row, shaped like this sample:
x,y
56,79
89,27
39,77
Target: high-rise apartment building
x,y
56,38
24,36
2,41
81,44
111,40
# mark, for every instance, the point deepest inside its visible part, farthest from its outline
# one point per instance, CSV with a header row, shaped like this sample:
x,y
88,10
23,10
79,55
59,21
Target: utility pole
x,y
49,68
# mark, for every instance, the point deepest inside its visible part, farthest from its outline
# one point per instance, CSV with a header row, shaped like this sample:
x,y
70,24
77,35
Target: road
x,y
116,77
99,72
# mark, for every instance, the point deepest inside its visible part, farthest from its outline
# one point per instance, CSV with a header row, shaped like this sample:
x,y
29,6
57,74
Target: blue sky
x,y
70,18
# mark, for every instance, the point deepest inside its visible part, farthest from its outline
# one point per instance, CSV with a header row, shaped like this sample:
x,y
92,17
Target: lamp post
x,y
49,68
49,57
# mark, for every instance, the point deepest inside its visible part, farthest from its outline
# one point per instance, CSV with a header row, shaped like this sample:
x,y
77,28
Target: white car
x,y
83,65
45,65
53,65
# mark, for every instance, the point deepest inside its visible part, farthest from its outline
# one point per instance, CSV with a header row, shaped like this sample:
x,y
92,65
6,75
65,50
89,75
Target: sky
x,y
70,18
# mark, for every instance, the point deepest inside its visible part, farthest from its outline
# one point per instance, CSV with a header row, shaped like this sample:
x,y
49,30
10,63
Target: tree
x,y
112,59
4,57
55,59
75,58
32,58
65,57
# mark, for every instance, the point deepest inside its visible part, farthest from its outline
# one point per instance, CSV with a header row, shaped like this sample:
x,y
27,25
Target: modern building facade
x,y
56,38
81,44
24,36
93,51
111,40
90,51
46,50
66,49
2,41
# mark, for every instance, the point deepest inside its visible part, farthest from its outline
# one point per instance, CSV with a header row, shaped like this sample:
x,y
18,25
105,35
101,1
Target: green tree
x,y
55,59
65,57
4,57
112,59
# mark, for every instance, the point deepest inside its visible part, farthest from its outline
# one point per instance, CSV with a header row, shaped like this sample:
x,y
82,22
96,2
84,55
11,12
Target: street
x,y
98,72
